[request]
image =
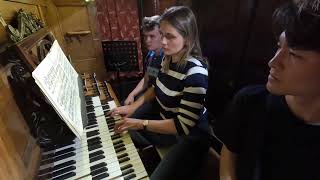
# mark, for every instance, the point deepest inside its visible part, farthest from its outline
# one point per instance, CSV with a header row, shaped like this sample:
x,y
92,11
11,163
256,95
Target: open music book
x,y
59,82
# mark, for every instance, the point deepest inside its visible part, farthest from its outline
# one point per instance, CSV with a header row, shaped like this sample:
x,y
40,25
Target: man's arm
x,y
228,162
139,88
128,110
148,96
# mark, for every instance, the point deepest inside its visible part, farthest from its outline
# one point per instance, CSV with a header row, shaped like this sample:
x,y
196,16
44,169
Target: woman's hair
x,y
300,20
149,23
184,21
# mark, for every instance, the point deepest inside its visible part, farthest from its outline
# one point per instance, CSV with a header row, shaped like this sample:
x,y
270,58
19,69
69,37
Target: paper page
x,y
58,80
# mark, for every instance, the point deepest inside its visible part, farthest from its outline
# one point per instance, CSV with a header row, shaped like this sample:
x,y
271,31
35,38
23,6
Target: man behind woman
x,y
179,91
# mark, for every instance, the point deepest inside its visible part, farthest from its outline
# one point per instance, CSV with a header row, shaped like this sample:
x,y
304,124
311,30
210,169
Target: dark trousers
x,y
185,159
186,156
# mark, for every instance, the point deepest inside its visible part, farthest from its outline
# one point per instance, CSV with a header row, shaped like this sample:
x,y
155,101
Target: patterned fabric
x,y
181,93
119,21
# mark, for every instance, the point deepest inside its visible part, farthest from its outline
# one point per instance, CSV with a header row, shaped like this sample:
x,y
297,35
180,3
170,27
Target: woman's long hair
x,y
184,21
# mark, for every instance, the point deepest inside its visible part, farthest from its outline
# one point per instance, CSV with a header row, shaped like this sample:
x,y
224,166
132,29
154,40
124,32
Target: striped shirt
x,y
181,92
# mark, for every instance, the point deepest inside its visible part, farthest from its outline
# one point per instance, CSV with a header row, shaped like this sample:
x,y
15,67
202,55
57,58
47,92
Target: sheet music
x,y
59,82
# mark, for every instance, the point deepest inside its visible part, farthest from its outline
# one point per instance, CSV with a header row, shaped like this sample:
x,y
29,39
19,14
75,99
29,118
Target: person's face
x,y
152,39
294,72
172,41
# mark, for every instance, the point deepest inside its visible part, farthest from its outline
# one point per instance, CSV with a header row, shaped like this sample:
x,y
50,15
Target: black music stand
x,y
120,56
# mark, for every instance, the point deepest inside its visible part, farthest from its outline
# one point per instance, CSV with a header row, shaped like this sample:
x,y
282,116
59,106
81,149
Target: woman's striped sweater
x,y
181,93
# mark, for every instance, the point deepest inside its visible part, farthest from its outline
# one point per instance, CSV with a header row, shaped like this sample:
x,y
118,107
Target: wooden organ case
x,y
34,141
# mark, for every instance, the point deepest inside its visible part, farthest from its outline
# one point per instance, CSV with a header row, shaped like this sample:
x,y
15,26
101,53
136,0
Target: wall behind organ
x,y
17,162
119,20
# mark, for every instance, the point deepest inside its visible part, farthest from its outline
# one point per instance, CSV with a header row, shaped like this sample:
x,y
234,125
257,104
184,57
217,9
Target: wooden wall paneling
x,y
69,2
83,47
165,4
86,65
53,22
10,166
32,2
75,19
96,35
151,7
41,10
8,10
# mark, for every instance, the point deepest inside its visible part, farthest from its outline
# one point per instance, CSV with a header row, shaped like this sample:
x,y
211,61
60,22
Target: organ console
x,y
99,154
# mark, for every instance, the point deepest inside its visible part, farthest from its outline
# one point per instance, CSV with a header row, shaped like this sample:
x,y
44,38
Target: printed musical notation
x,y
58,81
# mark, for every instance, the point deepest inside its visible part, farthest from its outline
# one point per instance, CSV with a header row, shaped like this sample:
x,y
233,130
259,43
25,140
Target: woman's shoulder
x,y
196,61
197,64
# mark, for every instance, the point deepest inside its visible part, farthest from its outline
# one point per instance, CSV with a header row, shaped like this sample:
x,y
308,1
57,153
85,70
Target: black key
x,y
58,146
107,107
93,147
56,167
111,123
58,158
108,118
118,146
127,171
63,171
92,133
92,118
89,102
125,159
45,171
88,98
98,171
58,153
89,106
126,167
122,155
96,158
65,176
129,176
116,136
91,126
91,115
91,123
101,176
70,154
92,140
93,143
44,177
90,109
97,166
65,164
91,155
120,149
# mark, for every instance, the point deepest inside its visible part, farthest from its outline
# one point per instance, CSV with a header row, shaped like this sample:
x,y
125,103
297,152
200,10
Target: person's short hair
x,y
149,23
300,20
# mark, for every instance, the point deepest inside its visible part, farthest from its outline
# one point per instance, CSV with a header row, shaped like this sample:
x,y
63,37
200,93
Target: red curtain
x,y
119,20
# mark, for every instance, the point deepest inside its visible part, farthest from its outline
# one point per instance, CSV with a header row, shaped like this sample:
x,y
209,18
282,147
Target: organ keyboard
x,y
25,119
100,154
